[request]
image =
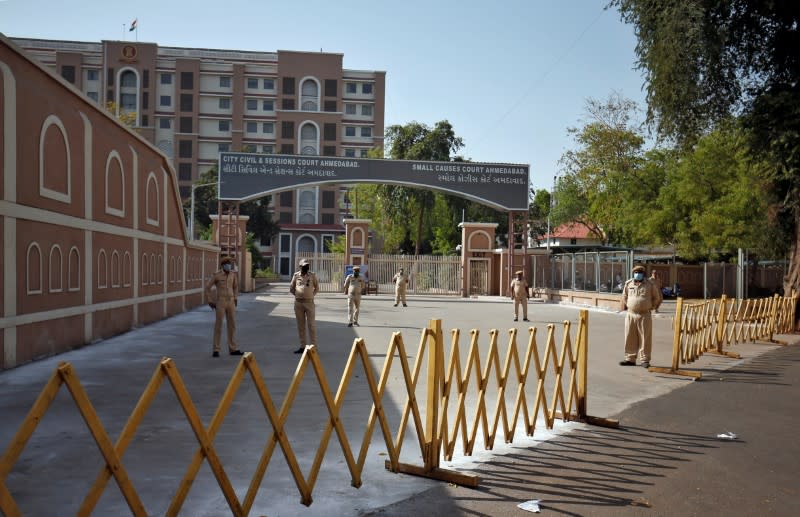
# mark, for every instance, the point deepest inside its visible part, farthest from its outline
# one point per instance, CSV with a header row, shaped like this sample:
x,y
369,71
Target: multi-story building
x,y
193,103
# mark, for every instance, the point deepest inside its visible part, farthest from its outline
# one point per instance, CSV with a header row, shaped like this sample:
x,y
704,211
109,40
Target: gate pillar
x,y
356,241
477,248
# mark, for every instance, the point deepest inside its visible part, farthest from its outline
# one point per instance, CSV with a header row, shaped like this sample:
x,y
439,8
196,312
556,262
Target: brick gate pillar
x,y
477,249
356,243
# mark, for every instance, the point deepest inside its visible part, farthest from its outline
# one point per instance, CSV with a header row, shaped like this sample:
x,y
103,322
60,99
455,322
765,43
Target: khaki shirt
x,y
400,280
304,287
641,298
353,286
519,289
227,285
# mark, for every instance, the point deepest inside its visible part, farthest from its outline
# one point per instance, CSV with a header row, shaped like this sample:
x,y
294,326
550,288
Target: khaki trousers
x,y
225,309
353,307
638,336
400,295
304,314
524,303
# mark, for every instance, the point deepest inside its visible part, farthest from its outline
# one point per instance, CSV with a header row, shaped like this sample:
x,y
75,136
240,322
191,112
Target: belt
x,y
304,299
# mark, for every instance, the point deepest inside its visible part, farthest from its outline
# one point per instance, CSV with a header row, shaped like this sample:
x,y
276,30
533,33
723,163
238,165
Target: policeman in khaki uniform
x,y
639,297
400,283
226,284
353,285
519,293
304,286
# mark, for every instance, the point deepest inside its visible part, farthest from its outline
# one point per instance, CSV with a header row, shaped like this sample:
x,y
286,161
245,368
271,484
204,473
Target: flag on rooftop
x,y
133,25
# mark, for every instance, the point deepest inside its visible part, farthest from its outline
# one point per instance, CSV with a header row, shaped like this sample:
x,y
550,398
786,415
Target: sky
x,y
511,76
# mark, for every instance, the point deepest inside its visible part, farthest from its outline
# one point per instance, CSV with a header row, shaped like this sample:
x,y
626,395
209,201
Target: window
x,y
268,128
128,79
351,88
288,85
330,88
187,80
267,149
145,100
286,199
349,131
165,123
166,78
187,102
185,149
92,75
366,132
269,84
127,101
327,219
329,150
350,109
287,104
225,103
366,110
287,129
330,131
267,106
110,76
68,73
186,124
249,148
330,106
165,101
145,121
225,81
145,78
252,82
309,95
328,199
287,148
252,127
185,172
224,126
366,88
252,104
92,95
350,153
285,218
364,153
223,148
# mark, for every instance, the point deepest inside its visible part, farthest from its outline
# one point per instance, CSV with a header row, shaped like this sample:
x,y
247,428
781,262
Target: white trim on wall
x,y
53,120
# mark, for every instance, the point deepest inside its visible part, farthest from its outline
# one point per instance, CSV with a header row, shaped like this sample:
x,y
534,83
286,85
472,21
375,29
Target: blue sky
x,y
511,75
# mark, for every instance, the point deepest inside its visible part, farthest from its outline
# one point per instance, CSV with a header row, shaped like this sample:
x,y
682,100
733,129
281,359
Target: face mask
x,y
355,273
227,267
304,269
638,277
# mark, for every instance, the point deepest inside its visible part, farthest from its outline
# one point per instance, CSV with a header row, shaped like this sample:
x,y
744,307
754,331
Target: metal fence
x,y
602,272
427,274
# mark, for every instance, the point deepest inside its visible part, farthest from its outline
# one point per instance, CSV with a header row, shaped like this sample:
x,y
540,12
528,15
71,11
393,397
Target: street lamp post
x,y
191,211
549,210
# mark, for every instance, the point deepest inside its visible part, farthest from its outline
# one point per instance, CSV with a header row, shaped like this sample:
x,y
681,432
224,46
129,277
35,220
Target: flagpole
x,y
123,31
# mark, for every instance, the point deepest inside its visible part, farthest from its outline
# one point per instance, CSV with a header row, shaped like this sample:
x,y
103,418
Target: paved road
x,y
60,461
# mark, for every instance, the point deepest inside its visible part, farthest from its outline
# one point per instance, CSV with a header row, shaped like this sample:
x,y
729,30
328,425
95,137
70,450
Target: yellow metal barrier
x,y
711,325
436,438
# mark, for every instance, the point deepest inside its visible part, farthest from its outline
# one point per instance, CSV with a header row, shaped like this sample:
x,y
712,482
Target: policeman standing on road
x,y
353,286
226,285
304,286
639,297
400,283
519,293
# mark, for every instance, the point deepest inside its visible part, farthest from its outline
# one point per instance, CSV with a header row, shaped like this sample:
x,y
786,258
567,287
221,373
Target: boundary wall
x,y
93,230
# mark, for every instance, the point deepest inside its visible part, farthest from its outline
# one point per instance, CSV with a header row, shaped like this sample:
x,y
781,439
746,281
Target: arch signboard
x,y
246,176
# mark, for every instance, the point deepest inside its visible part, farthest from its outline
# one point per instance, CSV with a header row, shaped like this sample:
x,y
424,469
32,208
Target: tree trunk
x,y
792,279
419,229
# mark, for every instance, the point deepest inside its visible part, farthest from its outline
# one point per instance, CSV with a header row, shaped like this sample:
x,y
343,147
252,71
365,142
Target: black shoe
x,y
356,324
646,364
627,363
404,305
237,352
214,354
525,319
395,305
300,350
515,319
349,324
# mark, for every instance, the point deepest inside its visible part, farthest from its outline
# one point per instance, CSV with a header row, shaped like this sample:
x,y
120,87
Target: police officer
x,y
400,283
353,285
519,293
304,286
226,285
639,297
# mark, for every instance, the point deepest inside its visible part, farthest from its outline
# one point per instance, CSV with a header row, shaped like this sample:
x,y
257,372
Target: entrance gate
x,y
479,277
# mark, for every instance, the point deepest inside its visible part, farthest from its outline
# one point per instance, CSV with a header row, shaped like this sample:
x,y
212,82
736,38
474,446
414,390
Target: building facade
x,y
194,103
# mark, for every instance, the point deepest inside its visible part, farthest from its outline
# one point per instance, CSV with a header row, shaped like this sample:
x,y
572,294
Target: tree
x,y
539,213
706,61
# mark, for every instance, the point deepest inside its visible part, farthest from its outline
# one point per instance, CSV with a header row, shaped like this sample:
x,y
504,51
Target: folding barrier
x,y
711,325
449,388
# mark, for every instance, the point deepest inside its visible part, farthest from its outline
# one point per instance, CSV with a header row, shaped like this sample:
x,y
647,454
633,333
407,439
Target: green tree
x,y
538,213
706,61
